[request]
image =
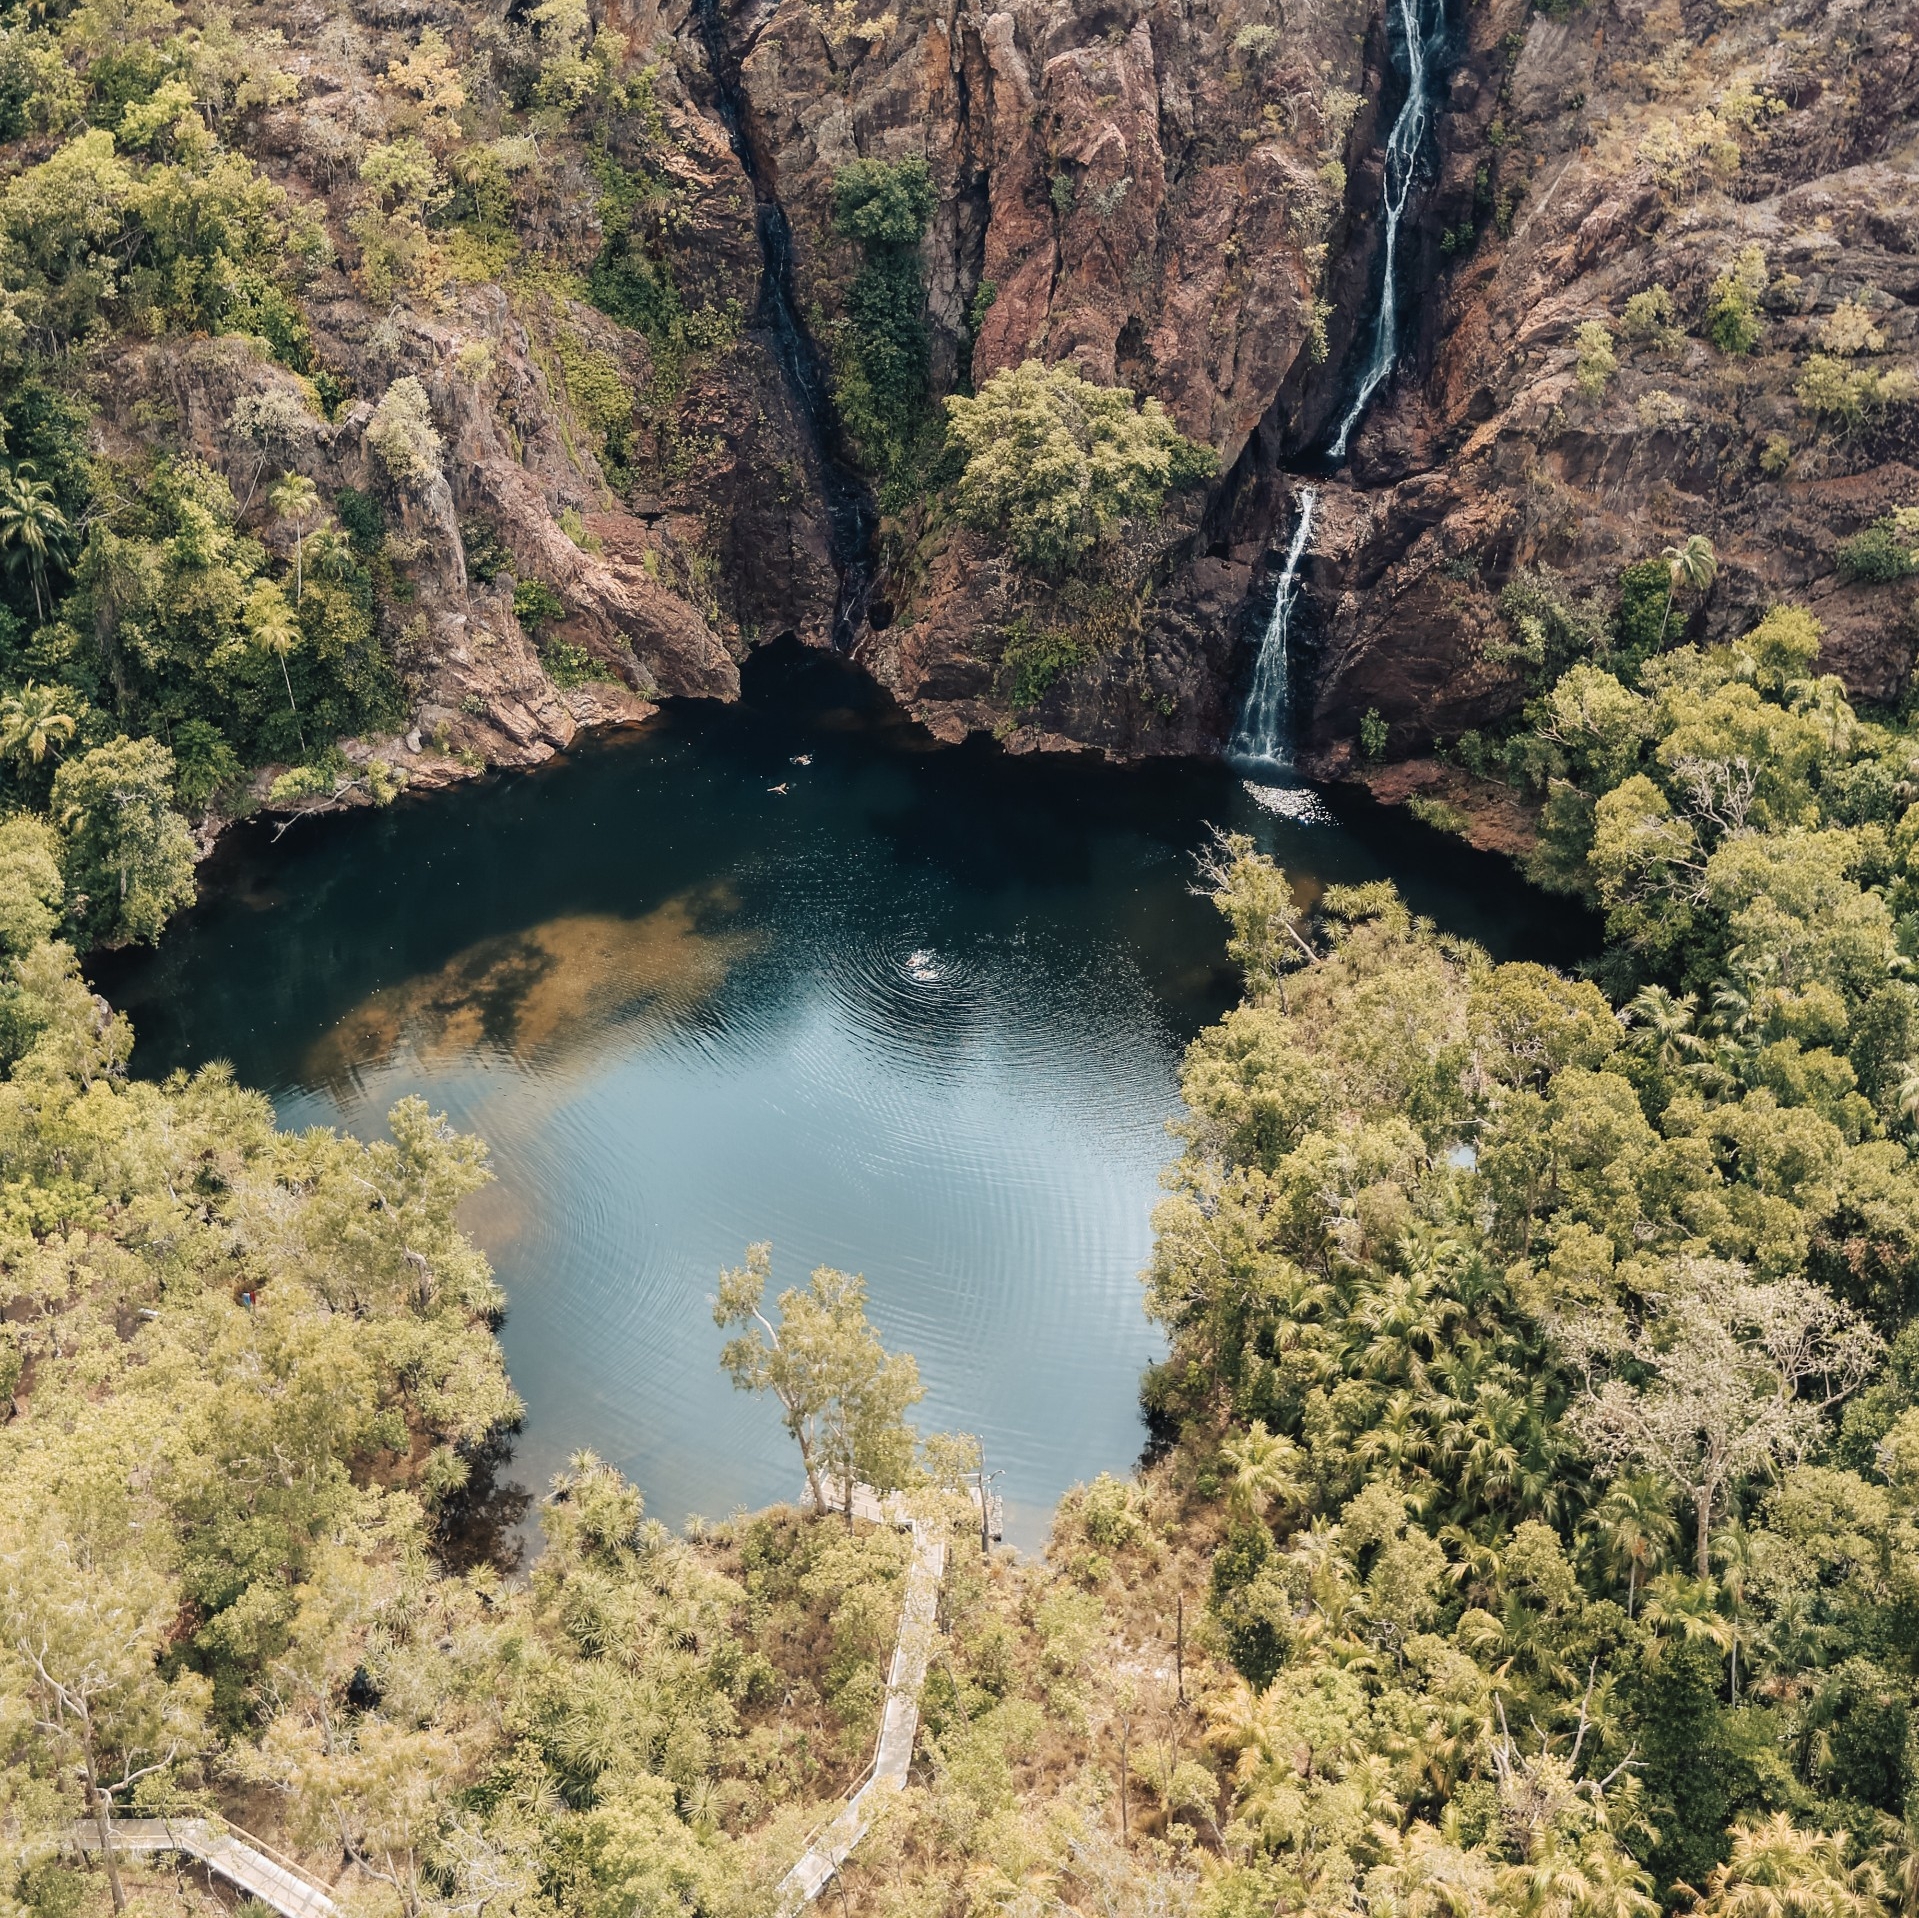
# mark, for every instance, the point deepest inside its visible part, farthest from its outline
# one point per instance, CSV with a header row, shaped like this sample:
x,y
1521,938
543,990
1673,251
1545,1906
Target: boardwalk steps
x,y
240,1859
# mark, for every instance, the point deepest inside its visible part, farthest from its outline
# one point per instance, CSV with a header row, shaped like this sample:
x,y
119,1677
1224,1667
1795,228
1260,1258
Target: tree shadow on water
x,y
481,1524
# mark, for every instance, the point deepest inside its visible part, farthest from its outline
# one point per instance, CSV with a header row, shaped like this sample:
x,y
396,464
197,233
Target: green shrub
x,y
535,603
52,1890
1732,307
1885,551
1438,814
1054,463
486,557
364,519
882,204
1644,588
1035,658
266,311
1550,627
1597,362
630,280
1847,396
1373,734
125,854
1650,316
882,384
629,287
600,396
332,392
568,665
1477,755
203,763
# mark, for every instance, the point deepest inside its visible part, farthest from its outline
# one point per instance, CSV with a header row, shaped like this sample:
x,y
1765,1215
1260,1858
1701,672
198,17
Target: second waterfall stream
x,y
1263,737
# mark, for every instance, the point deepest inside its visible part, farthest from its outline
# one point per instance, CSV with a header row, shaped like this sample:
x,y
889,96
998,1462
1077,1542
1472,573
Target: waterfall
x,y
1263,735
1402,164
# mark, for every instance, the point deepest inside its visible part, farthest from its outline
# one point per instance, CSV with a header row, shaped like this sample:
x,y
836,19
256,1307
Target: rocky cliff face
x,y
1180,196
1155,193
1646,146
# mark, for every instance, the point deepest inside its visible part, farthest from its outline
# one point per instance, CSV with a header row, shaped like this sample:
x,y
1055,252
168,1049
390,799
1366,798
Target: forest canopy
x,y
1533,1528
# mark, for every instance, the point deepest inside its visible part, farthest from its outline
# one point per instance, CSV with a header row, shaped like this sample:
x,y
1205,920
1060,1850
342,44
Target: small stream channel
x,y
785,970
851,516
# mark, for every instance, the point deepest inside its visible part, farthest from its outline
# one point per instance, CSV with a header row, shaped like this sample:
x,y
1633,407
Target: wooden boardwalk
x,y
278,1882
241,1860
899,1723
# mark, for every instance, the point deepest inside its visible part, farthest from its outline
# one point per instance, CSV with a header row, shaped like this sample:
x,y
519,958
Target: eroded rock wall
x,y
1654,144
1176,195
1152,192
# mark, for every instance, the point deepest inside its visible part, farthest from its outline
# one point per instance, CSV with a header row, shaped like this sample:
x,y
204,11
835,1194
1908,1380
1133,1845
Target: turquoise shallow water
x,y
918,1015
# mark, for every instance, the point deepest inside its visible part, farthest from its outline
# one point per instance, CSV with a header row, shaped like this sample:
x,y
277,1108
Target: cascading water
x,y
851,519
1403,152
1262,738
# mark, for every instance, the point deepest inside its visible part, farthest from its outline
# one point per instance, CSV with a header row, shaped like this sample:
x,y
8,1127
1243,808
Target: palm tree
x,y
1668,1021
1635,1527
1737,1011
1907,1095
1617,1886
270,625
1779,1871
1824,702
1694,564
1900,1853
297,501
1262,1464
1407,1312
1734,1552
35,721
1679,1606
32,526
1549,1883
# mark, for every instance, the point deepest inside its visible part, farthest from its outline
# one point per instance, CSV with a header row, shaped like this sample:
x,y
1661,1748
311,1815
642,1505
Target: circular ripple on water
x,y
910,1001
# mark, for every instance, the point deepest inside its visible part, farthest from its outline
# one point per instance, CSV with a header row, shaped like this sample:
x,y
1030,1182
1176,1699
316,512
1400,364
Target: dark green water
x,y
918,1015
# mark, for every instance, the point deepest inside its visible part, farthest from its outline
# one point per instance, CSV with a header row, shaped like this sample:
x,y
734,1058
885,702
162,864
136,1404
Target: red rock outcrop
x,y
1180,196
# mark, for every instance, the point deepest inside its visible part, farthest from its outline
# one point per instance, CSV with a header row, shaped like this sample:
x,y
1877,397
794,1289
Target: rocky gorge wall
x,y
1156,193
1180,196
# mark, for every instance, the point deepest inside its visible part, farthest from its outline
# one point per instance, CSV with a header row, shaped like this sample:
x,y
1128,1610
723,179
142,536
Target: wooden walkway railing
x,y
240,1859
277,1881
899,1723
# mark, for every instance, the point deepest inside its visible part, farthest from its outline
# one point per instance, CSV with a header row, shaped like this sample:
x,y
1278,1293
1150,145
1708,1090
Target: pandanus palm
x,y
1778,1869
1681,1606
1635,1530
1736,1554
1666,1021
1898,1857
32,527
1907,1095
1694,564
1264,1466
